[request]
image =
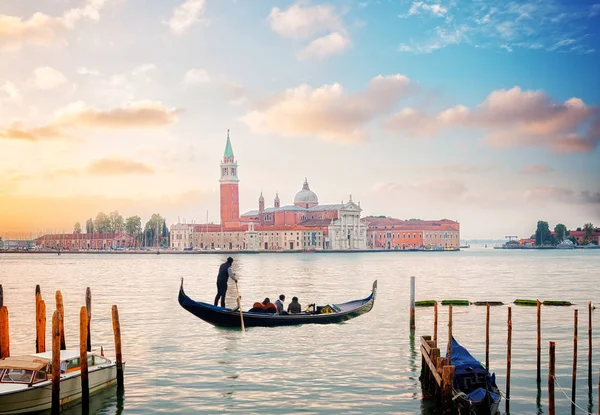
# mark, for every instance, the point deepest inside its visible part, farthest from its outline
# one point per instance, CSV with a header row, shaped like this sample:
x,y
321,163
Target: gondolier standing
x,y
225,272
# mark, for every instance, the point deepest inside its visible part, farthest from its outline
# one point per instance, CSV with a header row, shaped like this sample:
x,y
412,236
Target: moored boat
x,y
225,317
474,387
26,381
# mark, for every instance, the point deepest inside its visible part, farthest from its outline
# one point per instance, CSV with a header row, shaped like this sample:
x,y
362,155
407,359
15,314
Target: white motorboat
x,y
566,244
26,381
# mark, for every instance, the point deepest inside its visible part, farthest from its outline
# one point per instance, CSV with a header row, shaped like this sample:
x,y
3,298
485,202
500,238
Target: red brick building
x,y
391,233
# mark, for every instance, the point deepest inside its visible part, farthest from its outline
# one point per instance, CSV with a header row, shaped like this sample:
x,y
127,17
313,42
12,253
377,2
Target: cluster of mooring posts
x,y
437,373
59,342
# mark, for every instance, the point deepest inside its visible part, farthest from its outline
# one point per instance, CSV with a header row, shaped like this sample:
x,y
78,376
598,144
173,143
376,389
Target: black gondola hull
x,y
224,317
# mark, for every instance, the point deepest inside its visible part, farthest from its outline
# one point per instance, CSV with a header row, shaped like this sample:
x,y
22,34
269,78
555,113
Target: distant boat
x,y
566,244
589,246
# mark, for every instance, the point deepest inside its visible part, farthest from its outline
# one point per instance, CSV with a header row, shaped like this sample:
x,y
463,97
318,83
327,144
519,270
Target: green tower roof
x,y
228,150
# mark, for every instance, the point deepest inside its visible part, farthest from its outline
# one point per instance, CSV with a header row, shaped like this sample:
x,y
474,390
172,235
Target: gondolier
x,y
225,272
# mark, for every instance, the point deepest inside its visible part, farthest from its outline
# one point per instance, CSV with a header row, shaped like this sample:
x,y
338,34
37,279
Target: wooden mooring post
x,y
83,335
88,306
539,340
117,333
61,313
508,359
435,322
412,303
1,296
551,372
4,333
590,348
574,376
56,363
449,350
487,336
40,326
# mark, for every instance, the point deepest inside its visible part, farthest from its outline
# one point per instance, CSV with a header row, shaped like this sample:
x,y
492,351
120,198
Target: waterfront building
x,y
84,241
16,244
303,225
392,233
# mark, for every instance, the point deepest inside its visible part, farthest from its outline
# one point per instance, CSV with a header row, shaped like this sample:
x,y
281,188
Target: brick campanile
x,y
230,200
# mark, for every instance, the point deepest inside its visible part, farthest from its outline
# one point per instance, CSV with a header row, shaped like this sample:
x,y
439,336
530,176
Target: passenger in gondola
x,y
269,307
294,306
279,304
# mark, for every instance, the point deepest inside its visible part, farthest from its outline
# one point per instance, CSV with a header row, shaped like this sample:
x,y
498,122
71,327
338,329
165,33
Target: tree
x,y
102,223
77,228
116,222
133,226
152,226
561,233
542,233
588,228
89,226
579,229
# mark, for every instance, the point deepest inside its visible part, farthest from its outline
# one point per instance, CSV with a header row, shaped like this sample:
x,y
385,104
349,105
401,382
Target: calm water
x,y
176,363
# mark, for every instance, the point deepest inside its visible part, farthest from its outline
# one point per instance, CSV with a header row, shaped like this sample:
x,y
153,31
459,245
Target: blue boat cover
x,y
470,376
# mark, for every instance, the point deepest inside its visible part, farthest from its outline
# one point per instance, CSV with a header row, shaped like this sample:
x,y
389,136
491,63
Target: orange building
x,y
391,233
84,241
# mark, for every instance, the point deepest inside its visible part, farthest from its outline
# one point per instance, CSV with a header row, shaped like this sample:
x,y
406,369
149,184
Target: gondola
x,y
226,317
475,388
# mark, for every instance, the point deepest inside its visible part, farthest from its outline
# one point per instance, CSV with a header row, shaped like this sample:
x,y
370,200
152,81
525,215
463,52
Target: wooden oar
x,y
239,301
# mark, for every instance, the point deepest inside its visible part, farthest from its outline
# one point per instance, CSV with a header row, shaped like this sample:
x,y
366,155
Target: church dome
x,y
306,197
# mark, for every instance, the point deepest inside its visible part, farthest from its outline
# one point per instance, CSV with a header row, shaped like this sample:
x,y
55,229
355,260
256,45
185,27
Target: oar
x,y
239,301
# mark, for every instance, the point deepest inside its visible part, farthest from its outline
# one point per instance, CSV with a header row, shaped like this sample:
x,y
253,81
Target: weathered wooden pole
x,y
56,363
590,347
61,314
83,336
1,296
4,333
117,332
447,381
412,303
508,359
574,377
539,341
487,335
88,306
551,371
435,322
449,335
38,298
40,324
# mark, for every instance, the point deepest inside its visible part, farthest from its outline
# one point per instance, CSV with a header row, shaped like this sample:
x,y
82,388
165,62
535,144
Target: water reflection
x,y
106,402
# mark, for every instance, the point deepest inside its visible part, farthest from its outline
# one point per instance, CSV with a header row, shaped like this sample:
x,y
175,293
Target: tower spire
x,y
228,149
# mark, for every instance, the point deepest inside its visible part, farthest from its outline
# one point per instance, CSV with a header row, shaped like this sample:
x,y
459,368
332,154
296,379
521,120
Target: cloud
x,y
325,46
444,189
418,7
196,77
328,112
556,194
47,78
514,118
302,22
536,169
139,114
144,71
9,93
114,166
443,37
186,15
42,29
86,71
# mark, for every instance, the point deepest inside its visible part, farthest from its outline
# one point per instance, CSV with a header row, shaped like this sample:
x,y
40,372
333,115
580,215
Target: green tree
x,y
89,226
102,223
166,235
542,233
77,228
588,228
560,232
152,228
133,225
116,222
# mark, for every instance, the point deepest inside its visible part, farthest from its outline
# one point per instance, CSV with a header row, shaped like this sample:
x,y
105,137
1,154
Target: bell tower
x,y
230,200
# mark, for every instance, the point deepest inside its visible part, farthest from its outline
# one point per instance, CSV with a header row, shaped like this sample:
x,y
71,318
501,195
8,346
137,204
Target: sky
x,y
483,112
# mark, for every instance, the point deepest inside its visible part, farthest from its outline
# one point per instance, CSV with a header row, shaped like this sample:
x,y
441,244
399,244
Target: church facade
x,y
304,225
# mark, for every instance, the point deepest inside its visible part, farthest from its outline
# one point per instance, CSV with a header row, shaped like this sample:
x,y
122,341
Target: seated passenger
x,y
257,308
294,306
279,303
269,307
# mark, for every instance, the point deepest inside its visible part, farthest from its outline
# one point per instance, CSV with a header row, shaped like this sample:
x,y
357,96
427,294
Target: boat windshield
x,y
17,376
